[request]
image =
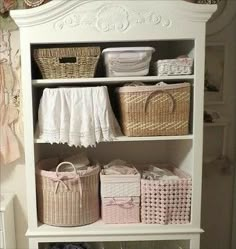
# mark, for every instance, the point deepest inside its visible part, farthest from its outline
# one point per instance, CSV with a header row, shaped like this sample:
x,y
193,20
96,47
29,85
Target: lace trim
x,y
75,138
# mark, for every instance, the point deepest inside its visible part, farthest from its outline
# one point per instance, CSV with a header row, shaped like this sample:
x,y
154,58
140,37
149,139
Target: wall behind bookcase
x,y
218,198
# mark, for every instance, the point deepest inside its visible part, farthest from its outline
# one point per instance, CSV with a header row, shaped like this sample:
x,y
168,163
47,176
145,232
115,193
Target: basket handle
x,y
64,60
121,57
156,92
60,178
66,163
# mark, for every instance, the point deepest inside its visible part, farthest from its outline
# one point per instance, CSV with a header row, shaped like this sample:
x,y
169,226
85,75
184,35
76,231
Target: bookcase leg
x,y
33,244
195,242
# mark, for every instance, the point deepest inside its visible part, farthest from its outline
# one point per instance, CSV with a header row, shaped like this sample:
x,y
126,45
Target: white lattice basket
x,y
179,66
166,201
120,185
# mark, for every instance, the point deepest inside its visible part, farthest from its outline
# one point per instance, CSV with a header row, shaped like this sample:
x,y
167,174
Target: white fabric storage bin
x,y
120,185
127,61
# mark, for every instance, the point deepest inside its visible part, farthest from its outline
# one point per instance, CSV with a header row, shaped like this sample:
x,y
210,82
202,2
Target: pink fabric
x,y
9,148
44,168
121,210
7,5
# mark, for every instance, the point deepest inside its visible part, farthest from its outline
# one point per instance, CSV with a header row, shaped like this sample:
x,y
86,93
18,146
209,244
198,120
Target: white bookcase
x,y
173,28
7,221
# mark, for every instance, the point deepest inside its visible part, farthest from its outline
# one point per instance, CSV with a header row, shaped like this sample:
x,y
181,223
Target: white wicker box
x,y
179,66
121,210
120,185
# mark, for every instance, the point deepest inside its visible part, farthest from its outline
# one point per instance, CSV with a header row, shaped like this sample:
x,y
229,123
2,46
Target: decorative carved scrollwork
x,y
112,18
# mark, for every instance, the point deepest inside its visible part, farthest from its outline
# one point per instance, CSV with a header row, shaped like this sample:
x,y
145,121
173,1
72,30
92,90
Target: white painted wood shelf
x,y
138,139
155,23
94,230
110,80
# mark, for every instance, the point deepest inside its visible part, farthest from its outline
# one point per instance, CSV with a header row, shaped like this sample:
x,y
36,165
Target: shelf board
x,y
105,232
153,138
138,139
109,80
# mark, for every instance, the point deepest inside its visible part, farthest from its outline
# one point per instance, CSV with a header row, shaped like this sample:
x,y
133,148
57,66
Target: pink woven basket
x,y
121,210
67,198
166,201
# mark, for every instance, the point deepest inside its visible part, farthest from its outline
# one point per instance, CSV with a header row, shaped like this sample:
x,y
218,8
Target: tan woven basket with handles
x,y
70,62
67,198
162,109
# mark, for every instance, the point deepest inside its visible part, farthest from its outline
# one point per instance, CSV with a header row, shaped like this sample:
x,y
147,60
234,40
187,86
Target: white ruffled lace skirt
x,y
79,116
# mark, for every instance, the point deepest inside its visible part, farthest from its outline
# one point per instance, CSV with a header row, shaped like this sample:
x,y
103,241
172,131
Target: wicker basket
x,y
74,62
120,185
67,198
166,201
154,110
180,66
121,210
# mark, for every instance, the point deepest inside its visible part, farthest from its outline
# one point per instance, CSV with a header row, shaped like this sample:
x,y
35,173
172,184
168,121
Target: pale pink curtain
x,y
9,147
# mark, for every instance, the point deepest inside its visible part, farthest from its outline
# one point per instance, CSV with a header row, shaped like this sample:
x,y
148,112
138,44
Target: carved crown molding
x,y
44,13
111,17
66,12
